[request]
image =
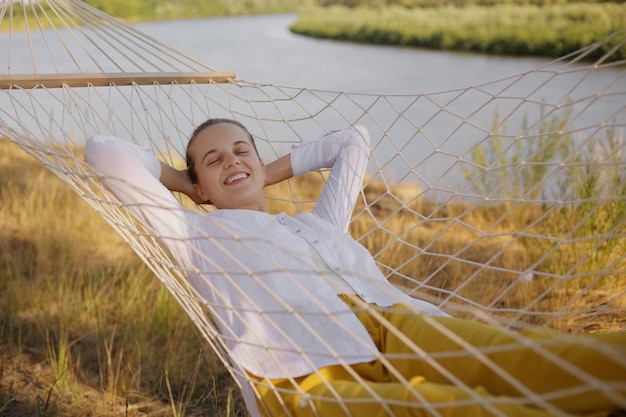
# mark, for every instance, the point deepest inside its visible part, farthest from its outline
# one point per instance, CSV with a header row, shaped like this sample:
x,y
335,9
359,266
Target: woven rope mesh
x,y
519,222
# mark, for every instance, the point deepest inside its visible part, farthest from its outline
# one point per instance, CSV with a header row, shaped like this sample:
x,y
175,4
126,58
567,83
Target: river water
x,y
262,49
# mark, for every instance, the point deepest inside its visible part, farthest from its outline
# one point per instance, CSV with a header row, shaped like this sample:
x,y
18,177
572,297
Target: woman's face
x,y
230,173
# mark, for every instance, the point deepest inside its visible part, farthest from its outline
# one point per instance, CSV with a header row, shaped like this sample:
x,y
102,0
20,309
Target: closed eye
x,y
241,148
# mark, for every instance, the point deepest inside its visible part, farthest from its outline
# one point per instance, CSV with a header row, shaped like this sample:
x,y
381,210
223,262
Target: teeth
x,y
236,177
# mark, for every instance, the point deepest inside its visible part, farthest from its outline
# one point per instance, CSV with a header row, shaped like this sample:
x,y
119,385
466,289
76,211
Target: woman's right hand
x,y
178,181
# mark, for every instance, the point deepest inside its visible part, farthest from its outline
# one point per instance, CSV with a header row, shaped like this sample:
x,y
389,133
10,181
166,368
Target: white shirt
x,y
278,315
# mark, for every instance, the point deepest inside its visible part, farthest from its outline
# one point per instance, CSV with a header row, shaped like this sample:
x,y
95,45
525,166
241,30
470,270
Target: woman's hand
x,y
178,181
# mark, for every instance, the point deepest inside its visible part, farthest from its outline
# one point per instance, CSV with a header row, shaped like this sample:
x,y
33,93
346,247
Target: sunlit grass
x,y
75,299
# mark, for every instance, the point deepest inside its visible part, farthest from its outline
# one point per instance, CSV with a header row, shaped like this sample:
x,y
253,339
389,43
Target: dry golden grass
x,y
85,329
475,256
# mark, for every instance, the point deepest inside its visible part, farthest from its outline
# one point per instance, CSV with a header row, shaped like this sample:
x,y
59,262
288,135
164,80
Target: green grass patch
x,y
501,29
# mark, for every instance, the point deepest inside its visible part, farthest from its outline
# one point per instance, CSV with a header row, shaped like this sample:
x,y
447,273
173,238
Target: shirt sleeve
x,y
346,152
132,174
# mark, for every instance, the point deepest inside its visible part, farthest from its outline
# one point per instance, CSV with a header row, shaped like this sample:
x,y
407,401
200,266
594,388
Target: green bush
x,y
143,10
452,3
504,29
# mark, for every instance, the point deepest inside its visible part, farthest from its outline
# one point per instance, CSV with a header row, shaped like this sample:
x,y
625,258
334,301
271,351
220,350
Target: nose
x,y
232,160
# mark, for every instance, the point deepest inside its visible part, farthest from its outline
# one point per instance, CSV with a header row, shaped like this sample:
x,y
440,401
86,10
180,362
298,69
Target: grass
x,y
86,329
81,314
134,11
554,30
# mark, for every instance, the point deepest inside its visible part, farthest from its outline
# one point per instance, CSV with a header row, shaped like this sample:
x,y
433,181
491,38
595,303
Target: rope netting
x,y
516,222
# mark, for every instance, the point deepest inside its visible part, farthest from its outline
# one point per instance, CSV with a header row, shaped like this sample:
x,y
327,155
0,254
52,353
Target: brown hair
x,y
191,167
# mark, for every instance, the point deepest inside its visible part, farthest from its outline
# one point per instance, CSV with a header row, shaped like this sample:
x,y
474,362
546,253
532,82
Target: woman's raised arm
x,y
133,175
279,170
346,153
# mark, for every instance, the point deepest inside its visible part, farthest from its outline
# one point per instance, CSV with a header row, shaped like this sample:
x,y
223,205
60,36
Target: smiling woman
x,y
222,159
224,167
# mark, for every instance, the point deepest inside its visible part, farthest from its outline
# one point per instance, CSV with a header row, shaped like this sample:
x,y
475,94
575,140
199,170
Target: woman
x,y
303,308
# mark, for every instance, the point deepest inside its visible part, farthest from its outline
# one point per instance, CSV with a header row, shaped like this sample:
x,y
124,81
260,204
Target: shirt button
x,y
337,269
315,242
298,230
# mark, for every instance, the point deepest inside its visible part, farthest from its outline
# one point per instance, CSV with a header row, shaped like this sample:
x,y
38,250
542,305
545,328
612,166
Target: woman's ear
x,y
201,194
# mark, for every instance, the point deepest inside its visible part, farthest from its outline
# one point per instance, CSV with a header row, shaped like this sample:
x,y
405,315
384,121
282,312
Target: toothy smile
x,y
236,177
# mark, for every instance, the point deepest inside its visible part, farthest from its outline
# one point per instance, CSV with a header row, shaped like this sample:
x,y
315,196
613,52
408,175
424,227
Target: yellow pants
x,y
496,379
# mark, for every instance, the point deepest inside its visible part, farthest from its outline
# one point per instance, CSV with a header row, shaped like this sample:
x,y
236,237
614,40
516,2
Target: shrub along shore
x,y
510,29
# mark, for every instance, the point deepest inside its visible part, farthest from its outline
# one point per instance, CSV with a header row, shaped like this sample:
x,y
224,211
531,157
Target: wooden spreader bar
x,y
29,81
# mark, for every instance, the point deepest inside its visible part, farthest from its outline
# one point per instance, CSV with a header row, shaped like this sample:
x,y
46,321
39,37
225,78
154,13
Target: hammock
x,y
518,223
